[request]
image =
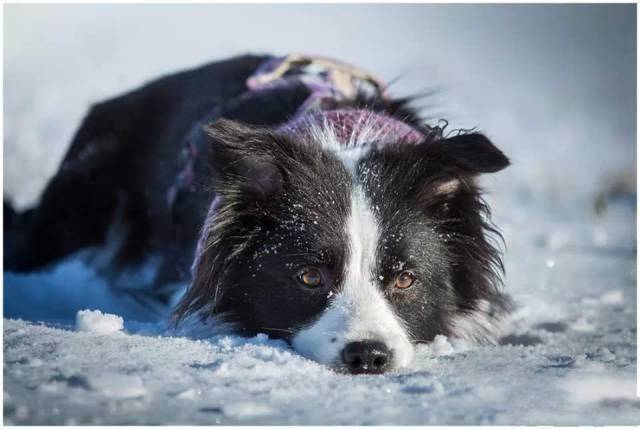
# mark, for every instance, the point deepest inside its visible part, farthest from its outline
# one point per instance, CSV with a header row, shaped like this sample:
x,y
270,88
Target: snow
x,y
118,385
440,346
559,106
97,321
594,388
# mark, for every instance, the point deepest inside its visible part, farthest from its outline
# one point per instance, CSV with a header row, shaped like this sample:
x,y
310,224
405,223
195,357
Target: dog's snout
x,y
366,357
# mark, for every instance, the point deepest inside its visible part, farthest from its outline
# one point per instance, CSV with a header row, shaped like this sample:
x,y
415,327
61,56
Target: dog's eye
x,y
310,277
405,279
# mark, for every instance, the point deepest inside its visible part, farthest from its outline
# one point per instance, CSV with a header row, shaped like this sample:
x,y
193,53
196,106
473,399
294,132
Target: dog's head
x,y
350,234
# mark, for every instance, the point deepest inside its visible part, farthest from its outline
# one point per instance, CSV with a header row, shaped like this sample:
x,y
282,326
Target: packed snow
x,y
567,208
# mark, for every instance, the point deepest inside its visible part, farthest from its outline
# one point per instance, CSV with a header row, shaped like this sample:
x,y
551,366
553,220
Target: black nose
x,y
366,357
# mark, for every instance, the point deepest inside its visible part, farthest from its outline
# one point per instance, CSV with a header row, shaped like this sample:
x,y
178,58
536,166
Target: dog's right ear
x,y
242,159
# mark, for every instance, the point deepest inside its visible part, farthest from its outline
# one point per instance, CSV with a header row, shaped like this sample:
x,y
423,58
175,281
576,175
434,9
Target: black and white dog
x,y
294,197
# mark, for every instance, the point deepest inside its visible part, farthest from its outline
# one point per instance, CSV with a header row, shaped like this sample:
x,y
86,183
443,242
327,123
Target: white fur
x,y
359,311
480,325
366,133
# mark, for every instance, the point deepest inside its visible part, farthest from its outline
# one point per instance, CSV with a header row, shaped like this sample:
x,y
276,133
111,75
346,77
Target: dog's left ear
x,y
446,166
471,154
458,160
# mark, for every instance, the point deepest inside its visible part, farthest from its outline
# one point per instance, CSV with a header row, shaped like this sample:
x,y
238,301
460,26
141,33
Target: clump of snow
x,y
98,322
440,346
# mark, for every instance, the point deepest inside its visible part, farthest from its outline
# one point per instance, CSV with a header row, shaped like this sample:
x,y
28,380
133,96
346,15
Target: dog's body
x,y
349,228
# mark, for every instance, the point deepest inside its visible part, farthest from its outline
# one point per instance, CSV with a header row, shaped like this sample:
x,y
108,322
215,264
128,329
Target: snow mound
x,y
98,322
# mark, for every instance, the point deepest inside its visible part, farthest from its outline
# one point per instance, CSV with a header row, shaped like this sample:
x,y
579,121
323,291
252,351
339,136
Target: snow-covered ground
x,y
559,102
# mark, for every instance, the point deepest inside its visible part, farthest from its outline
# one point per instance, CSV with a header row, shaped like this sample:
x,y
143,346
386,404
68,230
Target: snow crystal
x,y
97,321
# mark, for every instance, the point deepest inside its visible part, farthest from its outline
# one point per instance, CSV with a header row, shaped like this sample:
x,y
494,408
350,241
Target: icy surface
x,y
98,322
559,102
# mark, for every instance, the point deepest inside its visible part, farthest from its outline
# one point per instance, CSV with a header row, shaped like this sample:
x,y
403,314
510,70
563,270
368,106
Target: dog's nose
x,y
366,357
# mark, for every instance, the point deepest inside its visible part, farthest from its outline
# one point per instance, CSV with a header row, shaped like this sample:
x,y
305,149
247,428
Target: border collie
x,y
295,197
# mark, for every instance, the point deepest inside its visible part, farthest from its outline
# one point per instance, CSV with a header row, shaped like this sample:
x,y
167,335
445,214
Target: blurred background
x,y
553,85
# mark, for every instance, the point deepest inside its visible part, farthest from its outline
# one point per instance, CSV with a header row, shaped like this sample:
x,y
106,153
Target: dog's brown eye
x,y
311,277
405,279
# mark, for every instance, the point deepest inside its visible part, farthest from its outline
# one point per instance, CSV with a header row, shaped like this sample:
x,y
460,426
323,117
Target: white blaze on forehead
x,y
359,311
363,232
367,131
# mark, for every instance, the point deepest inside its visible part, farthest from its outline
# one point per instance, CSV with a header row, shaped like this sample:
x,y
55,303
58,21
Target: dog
x,y
295,197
